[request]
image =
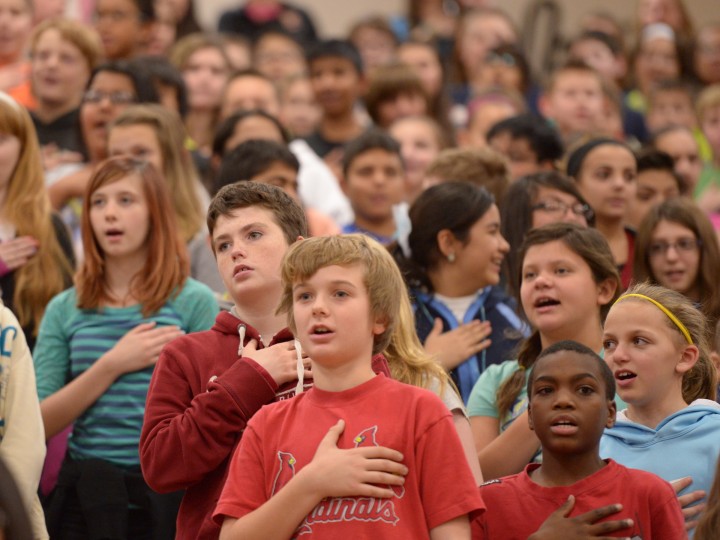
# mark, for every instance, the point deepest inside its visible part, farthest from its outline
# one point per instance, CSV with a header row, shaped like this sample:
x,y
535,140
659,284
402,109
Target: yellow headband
x,y
665,310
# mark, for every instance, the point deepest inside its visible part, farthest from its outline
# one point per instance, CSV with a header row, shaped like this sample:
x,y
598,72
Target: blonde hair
x,y
27,207
700,382
389,300
178,168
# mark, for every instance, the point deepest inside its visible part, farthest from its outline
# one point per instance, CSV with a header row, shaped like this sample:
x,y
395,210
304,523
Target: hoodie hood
x,y
676,425
227,323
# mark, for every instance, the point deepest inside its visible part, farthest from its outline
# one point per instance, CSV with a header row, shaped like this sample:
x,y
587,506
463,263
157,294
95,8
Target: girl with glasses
x,y
677,248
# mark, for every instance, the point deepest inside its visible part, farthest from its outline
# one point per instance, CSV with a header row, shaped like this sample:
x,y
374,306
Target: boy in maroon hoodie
x,y
206,386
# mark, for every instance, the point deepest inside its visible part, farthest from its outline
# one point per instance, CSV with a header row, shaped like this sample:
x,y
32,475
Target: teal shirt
x,y
71,340
483,400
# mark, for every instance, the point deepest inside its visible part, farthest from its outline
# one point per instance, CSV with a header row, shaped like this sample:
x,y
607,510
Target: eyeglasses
x,y
116,98
560,209
682,245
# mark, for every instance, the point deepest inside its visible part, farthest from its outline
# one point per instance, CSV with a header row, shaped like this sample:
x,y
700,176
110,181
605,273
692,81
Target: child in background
x,y
601,52
249,90
270,162
343,294
484,167
605,171
671,103
677,248
424,58
528,142
394,92
478,31
373,181
568,282
36,254
656,59
707,53
680,144
375,41
277,55
707,191
97,347
656,346
14,67
454,266
299,110
421,139
573,100
531,202
337,77
657,182
205,68
125,27
486,110
570,401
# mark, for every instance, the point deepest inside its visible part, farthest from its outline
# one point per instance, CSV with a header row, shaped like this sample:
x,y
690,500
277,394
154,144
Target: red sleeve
x,y
244,489
666,517
188,433
447,486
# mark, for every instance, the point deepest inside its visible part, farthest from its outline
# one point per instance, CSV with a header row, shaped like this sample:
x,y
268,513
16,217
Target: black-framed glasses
x,y
116,98
681,245
560,208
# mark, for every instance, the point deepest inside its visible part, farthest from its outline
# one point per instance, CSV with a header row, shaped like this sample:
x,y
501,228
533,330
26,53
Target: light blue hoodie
x,y
686,443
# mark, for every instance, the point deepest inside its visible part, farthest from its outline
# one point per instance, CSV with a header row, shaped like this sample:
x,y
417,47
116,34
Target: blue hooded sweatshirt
x,y
686,443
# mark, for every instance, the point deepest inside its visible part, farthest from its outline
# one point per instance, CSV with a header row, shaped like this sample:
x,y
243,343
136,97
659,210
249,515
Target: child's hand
x,y
356,472
139,348
16,252
690,513
581,527
455,346
279,360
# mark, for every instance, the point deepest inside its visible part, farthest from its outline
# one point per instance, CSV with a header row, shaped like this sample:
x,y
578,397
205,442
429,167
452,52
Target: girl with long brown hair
x,y
99,342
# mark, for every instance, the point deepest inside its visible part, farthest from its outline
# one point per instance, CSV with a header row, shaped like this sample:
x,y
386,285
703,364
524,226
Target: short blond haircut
x,y
382,279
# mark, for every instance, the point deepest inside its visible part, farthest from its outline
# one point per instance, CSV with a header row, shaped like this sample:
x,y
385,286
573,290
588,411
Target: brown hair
x,y
183,49
27,207
708,98
700,382
167,265
286,212
390,81
484,167
84,38
685,213
572,66
592,247
383,280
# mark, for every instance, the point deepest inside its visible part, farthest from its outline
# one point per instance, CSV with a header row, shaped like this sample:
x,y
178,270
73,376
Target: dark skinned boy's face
x,y
336,84
569,409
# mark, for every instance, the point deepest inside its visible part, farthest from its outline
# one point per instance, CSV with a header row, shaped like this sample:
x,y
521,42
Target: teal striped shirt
x,y
72,339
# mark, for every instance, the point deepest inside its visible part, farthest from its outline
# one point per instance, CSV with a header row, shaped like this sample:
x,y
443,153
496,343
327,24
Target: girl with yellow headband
x,y
656,346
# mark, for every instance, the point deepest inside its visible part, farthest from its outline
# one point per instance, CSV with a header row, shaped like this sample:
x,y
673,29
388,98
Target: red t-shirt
x,y
517,506
282,438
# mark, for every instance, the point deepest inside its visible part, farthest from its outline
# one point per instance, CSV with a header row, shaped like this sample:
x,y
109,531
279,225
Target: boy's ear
x,y
530,421
688,359
299,238
605,291
612,413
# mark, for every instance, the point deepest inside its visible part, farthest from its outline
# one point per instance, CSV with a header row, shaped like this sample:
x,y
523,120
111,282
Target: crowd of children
x,y
411,283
